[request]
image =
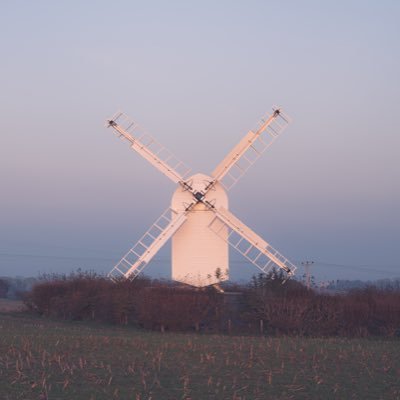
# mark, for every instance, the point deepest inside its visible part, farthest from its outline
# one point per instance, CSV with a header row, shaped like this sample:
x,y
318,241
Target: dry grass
x,y
42,359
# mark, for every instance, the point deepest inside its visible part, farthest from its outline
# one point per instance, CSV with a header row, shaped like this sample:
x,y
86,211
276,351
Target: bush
x,y
266,305
4,286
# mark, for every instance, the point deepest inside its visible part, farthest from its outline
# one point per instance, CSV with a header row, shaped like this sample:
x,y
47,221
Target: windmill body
x,y
198,221
197,253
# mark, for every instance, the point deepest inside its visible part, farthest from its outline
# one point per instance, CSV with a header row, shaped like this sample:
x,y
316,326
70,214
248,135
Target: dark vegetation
x,y
263,306
4,287
16,287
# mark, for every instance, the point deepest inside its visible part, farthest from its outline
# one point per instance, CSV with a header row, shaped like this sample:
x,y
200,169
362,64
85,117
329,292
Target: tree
x,y
4,286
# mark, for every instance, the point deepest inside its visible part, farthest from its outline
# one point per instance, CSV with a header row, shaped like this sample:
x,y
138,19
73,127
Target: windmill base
x,y
199,256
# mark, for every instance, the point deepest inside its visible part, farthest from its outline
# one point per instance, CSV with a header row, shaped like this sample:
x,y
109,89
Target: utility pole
x,y
307,266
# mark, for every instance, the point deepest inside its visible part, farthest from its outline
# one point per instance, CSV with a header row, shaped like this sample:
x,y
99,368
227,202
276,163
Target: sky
x,y
198,76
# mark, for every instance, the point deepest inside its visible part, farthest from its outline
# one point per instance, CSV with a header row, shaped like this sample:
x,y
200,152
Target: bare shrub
x,y
265,306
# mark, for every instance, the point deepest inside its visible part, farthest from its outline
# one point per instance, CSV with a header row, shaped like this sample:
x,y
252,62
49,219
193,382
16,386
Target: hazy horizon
x,y
198,77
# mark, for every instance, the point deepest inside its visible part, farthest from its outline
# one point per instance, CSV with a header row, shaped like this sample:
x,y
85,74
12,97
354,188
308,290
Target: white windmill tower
x,y
198,220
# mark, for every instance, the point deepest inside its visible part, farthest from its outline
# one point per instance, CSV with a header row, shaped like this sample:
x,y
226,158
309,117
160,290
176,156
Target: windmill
x,y
198,220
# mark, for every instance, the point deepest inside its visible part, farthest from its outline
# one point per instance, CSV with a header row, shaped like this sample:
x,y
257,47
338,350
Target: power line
x,y
13,255
362,267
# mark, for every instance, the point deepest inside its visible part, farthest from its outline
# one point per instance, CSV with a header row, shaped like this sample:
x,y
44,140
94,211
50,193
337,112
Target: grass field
x,y
43,359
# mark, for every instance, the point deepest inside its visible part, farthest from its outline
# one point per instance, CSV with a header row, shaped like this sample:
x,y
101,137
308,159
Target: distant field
x,y
7,305
42,359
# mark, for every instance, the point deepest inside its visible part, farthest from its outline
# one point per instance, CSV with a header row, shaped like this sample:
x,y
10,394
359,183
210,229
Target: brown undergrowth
x,y
264,306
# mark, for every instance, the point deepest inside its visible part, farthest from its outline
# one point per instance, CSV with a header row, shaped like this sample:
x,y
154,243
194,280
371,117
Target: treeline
x,y
341,285
265,305
15,288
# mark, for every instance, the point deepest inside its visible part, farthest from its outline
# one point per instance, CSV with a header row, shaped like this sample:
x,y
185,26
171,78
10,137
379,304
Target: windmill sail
x,y
248,243
136,259
249,149
149,148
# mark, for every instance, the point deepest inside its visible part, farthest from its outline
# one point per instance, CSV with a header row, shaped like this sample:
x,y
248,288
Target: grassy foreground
x,y
43,359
